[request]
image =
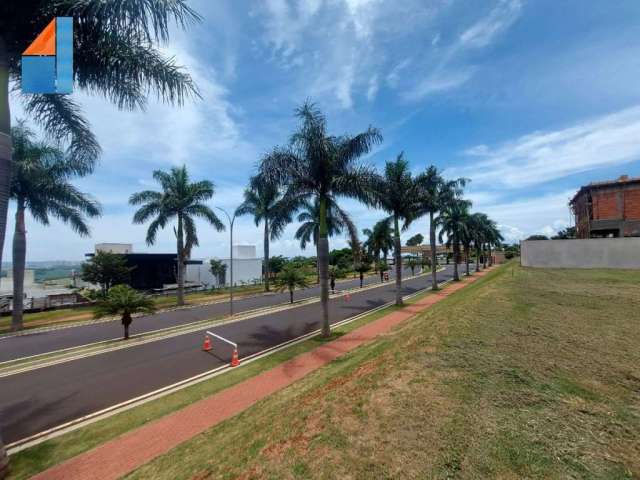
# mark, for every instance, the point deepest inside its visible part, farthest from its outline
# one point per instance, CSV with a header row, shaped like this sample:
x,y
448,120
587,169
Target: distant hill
x,y
48,270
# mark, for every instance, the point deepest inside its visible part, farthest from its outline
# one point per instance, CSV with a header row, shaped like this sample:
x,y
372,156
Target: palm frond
x,y
62,119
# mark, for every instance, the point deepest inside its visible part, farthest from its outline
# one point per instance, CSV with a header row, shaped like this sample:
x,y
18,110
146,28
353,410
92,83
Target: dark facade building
x,y
608,209
152,271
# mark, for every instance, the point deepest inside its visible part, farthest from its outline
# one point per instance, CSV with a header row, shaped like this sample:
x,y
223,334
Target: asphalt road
x,y
48,341
35,401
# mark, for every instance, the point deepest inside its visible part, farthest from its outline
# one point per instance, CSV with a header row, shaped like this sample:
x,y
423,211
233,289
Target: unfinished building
x,y
608,209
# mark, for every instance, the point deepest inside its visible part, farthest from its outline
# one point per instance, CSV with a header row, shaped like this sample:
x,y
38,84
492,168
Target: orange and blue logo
x,y
47,65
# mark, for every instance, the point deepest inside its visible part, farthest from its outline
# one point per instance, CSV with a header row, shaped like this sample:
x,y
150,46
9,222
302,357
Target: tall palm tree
x,y
435,194
478,223
493,238
397,194
318,166
466,240
115,56
453,223
40,184
264,201
379,239
309,231
182,200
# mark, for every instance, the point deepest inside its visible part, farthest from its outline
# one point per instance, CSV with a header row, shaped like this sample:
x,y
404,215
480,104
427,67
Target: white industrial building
x,y
246,268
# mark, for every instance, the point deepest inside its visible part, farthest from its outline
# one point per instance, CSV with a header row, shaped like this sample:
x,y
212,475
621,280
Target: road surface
x,y
41,399
34,343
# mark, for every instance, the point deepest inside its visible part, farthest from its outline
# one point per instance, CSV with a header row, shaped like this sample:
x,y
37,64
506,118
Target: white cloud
x,y
539,157
373,88
484,31
519,218
439,82
447,68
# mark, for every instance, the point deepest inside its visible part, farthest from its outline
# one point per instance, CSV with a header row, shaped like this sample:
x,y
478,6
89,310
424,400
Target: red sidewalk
x,y
124,454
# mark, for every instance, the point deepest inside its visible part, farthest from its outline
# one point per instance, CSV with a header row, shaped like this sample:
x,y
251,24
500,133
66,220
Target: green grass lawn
x,y
530,374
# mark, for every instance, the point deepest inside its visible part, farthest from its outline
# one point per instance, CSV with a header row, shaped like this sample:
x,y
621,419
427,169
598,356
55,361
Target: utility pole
x,y
232,220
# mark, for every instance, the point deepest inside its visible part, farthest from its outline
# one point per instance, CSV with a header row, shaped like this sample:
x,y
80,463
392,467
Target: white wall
x,y
244,270
584,253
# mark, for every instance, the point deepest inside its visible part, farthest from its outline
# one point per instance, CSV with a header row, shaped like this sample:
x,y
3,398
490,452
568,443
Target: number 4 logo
x,y
47,65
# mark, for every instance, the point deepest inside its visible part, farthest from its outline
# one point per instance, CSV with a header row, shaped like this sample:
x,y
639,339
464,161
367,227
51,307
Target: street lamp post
x,y
232,219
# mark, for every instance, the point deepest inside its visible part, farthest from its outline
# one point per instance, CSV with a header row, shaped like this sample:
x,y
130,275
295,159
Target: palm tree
x,y
356,253
309,231
264,201
466,240
337,221
412,263
379,239
40,184
291,278
115,56
493,237
453,223
322,167
182,200
124,301
397,194
478,223
435,194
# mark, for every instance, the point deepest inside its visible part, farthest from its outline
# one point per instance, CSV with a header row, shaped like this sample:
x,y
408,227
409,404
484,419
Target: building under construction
x,y
608,209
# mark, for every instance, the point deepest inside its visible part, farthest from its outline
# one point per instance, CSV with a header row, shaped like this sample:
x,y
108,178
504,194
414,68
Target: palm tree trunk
x,y
266,255
291,295
490,256
484,258
361,279
432,243
180,269
19,258
466,260
126,321
456,247
398,260
323,266
477,258
5,179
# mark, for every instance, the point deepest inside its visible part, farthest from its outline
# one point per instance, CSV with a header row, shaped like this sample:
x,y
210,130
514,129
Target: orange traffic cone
x,y
234,358
207,344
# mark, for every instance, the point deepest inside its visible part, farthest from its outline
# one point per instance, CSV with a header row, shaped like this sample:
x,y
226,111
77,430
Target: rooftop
x,y
622,180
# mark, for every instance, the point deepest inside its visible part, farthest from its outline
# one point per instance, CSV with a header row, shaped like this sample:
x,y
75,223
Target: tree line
x,y
305,180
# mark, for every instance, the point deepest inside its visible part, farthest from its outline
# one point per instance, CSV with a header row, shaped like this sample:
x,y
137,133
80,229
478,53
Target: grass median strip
x,y
32,460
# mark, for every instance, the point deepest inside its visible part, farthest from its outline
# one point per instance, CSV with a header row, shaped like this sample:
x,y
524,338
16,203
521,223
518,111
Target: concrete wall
x,y
244,270
583,253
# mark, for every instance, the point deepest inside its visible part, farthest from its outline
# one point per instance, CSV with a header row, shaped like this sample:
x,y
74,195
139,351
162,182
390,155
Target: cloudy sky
x,y
528,99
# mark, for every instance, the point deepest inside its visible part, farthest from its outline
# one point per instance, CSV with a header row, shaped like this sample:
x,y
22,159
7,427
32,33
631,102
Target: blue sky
x,y
528,99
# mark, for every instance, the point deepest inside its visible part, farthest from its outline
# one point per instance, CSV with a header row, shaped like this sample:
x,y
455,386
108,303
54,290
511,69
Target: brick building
x,y
608,209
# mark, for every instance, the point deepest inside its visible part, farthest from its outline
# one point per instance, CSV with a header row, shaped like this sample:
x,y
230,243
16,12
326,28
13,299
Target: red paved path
x,y
124,454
